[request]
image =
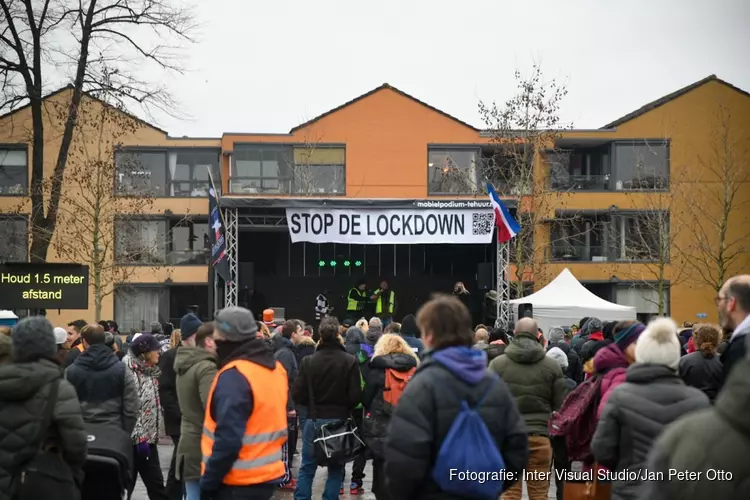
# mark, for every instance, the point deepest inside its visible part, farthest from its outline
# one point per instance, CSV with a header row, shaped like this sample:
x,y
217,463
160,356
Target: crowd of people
x,y
444,410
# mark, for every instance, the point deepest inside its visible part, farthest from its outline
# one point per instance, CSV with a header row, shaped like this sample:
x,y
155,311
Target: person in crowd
x,y
410,333
245,424
612,361
702,369
361,324
498,341
393,327
574,368
580,337
538,386
5,330
374,332
322,306
652,396
426,410
331,377
142,363
733,302
105,388
283,346
61,339
391,352
559,356
265,334
704,442
354,340
385,303
481,339
356,300
357,345
75,342
462,293
305,346
6,349
25,388
594,333
196,365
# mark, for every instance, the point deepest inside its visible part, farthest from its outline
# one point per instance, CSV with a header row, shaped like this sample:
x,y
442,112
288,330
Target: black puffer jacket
x,y
652,397
24,390
168,393
575,367
426,411
378,419
703,372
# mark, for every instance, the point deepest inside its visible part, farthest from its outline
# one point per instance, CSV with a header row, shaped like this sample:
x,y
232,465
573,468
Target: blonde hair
x,y
362,324
175,339
390,343
264,331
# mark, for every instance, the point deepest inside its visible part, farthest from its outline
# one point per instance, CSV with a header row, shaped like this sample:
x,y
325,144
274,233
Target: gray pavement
x,y
165,455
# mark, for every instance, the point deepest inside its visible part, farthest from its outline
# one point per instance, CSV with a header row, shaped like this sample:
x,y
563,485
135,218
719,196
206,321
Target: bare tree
x,y
524,131
91,229
103,45
317,169
719,205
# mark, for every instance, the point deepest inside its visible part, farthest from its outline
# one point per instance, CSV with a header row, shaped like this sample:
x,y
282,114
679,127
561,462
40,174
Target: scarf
x,y
149,416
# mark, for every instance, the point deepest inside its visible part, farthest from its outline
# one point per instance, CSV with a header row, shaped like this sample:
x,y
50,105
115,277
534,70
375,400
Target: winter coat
x,y
577,342
24,391
704,373
481,345
196,369
652,397
283,351
426,411
587,349
150,419
335,379
575,367
73,353
536,381
168,392
495,350
415,343
305,347
611,364
735,350
372,397
105,389
708,440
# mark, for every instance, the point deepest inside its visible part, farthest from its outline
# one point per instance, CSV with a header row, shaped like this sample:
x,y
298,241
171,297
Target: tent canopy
x,y
565,300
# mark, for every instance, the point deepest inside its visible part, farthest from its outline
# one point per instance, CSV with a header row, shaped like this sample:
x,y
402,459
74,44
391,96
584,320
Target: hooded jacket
x,y
713,439
575,367
372,397
410,333
426,411
283,350
611,364
652,397
105,389
196,369
24,391
536,381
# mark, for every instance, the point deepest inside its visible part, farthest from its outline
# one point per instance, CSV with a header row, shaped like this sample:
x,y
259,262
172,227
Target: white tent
x,y
565,300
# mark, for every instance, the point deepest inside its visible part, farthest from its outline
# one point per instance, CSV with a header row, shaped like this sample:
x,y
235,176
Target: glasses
x,y
719,299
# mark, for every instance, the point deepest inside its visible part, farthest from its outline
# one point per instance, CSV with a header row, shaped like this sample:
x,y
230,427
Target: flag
x,y
507,227
219,258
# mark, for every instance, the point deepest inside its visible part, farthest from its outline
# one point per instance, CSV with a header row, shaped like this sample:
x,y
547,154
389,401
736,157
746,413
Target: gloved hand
x,y
143,449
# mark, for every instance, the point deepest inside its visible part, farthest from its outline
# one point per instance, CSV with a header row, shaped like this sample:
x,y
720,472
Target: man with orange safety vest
x,y
75,341
246,418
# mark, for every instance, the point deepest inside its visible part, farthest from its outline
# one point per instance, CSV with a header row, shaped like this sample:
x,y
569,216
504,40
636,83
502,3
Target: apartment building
x,y
611,196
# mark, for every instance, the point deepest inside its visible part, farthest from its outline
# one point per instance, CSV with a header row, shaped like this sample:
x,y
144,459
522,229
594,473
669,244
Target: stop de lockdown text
x,y
587,476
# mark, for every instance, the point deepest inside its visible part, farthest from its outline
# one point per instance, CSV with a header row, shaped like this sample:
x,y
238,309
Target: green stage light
x,y
321,263
333,263
357,263
346,263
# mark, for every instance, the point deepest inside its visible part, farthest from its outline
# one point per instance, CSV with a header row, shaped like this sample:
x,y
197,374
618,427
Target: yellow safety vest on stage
x,y
355,305
391,302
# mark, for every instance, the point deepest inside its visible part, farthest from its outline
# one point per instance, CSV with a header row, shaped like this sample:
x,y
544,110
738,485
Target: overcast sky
x,y
268,65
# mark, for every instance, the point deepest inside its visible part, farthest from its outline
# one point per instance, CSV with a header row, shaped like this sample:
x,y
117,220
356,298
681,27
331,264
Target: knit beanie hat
x,y
659,344
625,337
409,326
144,343
556,335
558,355
189,325
236,324
592,325
61,336
156,327
34,339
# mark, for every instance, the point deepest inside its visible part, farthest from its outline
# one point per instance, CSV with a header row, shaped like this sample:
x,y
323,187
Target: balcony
x,y
564,252
579,182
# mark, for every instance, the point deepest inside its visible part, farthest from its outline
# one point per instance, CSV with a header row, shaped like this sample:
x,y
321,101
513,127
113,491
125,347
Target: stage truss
x,y
502,285
232,236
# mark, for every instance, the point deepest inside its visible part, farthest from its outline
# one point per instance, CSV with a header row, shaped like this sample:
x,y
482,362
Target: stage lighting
x,y
346,263
321,263
333,263
357,263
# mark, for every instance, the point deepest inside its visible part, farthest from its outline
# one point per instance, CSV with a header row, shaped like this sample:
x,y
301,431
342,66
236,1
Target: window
x,y
645,299
140,242
189,243
642,166
452,171
14,245
319,170
137,307
261,169
580,169
177,172
14,172
525,238
188,172
643,237
582,239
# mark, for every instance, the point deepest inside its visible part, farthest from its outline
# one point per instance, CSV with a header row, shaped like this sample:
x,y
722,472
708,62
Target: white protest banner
x,y
390,226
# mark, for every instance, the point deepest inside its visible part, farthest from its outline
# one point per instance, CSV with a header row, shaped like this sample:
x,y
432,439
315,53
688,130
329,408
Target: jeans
x,y
192,490
308,466
540,460
173,489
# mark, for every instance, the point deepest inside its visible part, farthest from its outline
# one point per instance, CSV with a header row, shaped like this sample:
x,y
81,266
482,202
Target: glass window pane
x,y
321,179
247,168
452,171
14,243
12,157
137,307
142,172
140,241
642,166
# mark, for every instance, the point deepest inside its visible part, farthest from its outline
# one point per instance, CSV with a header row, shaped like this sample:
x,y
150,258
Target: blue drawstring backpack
x,y
469,463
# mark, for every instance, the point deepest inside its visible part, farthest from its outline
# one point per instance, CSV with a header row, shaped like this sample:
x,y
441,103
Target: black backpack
x,y
46,475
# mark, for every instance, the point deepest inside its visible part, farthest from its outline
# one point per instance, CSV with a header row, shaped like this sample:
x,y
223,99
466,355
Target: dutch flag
x,y
507,227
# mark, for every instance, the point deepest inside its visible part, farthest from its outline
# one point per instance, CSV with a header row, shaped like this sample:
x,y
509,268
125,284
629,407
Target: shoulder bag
x,y
336,442
46,475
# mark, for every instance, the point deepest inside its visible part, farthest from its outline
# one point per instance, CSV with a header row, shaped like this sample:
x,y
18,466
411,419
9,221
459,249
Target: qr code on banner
x,y
482,223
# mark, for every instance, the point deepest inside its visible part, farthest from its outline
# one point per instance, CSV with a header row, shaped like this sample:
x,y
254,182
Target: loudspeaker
x,y
485,279
525,311
246,278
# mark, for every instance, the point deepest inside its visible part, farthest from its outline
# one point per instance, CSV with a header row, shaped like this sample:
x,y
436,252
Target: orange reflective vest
x,y
80,347
259,460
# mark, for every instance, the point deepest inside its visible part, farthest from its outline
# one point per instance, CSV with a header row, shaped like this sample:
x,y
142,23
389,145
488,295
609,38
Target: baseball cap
x,y
61,336
236,323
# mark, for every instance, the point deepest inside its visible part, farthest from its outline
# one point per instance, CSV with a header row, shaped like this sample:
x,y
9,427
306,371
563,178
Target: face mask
x,y
224,349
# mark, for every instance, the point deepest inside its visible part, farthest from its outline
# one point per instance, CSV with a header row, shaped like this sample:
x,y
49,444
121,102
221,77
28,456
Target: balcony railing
x,y
563,252
579,182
